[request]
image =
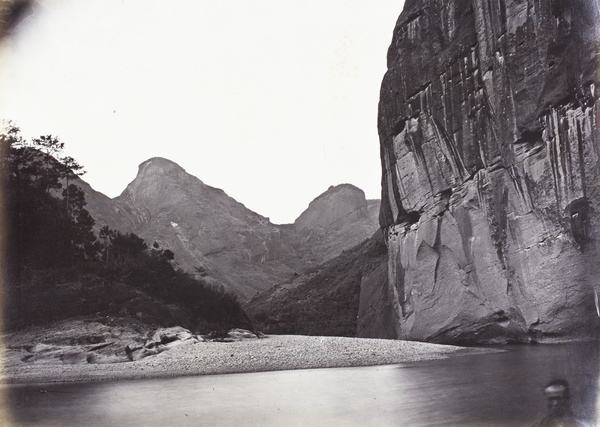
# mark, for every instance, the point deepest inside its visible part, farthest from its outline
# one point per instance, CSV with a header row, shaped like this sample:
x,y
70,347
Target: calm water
x,y
483,390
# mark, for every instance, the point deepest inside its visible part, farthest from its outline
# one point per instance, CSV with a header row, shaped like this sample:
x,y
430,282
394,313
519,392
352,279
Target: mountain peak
x,y
346,188
159,166
338,205
158,178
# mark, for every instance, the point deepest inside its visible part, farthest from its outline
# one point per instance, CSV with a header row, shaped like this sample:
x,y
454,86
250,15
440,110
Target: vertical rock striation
x,y
488,125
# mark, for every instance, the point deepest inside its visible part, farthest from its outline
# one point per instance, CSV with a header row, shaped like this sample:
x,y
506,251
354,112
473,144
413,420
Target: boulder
x,y
232,335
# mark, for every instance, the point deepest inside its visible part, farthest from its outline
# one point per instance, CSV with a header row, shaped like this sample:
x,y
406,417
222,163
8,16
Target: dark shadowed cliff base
x,y
326,300
488,122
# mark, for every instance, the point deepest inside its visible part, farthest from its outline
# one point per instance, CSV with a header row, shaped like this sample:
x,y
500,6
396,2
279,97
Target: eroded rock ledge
x,y
102,340
491,187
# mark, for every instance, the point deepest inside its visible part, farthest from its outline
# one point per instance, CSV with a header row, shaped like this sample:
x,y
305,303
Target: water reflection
x,y
503,389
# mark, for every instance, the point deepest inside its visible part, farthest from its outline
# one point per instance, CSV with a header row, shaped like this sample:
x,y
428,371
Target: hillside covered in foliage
x,y
56,267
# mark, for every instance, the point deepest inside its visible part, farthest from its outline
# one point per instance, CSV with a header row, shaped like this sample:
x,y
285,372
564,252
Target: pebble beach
x,y
270,353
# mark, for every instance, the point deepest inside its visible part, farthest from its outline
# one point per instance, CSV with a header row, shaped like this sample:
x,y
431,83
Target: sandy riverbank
x,y
194,357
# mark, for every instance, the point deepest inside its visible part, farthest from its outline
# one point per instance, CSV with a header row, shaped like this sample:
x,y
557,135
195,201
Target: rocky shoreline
x,y
60,354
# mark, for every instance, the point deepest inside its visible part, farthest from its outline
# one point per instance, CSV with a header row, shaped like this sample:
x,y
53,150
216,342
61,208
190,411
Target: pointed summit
x,y
211,233
161,181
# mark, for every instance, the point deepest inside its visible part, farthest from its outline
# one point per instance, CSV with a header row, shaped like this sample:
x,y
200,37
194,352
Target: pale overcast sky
x,y
271,100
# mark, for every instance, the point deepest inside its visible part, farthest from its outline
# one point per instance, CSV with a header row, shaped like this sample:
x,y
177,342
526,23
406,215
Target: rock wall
x,y
488,125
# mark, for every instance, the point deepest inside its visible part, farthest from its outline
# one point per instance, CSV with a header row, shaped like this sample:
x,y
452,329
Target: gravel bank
x,y
275,352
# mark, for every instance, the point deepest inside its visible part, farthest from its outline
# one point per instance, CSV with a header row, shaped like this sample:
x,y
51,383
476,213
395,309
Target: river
x,y
499,389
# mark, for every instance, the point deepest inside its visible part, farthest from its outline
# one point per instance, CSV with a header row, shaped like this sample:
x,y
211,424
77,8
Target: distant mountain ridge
x,y
218,238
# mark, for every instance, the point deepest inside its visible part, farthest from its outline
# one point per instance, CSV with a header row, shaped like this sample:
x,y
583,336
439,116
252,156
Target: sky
x,y
272,101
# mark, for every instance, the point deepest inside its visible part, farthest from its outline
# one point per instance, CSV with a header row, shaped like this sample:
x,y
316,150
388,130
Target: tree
x,y
127,246
10,139
106,235
51,148
69,169
77,201
44,229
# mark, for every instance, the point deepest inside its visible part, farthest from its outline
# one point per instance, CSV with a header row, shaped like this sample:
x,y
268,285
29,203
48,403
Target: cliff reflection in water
x,y
495,389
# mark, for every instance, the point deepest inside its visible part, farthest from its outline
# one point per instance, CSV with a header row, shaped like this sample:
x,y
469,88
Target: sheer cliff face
x,y
491,189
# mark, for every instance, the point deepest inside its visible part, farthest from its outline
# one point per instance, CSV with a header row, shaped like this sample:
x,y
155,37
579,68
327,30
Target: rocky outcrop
x,y
100,340
488,124
161,340
233,335
77,341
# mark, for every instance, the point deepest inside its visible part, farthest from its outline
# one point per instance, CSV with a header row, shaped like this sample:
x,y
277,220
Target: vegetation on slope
x,y
57,268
